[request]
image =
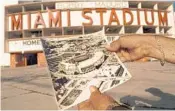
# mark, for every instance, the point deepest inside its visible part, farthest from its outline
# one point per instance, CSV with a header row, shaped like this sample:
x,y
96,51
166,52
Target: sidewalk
x,y
29,88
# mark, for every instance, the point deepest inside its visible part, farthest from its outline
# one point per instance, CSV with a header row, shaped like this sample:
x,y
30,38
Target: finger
x,y
94,89
95,94
125,55
100,101
131,55
136,54
114,46
86,105
119,54
121,57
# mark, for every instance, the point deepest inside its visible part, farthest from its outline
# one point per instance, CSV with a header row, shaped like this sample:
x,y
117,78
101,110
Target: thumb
x,y
95,95
98,100
114,46
94,89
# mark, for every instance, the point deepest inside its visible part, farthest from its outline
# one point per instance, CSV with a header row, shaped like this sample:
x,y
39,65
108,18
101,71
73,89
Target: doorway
x,y
31,58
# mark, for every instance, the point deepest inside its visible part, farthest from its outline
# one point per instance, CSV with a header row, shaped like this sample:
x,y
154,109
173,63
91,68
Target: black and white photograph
x,y
77,62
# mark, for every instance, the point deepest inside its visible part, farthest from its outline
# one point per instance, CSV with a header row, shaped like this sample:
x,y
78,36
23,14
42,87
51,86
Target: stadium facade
x,y
26,23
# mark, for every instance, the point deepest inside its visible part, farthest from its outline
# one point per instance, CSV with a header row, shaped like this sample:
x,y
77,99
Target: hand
x,y
135,47
97,101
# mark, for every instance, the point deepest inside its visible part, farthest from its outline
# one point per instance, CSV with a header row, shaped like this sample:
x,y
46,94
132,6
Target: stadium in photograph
x,y
27,22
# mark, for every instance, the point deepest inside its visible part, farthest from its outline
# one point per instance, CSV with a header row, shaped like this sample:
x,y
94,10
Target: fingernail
x,y
107,46
92,89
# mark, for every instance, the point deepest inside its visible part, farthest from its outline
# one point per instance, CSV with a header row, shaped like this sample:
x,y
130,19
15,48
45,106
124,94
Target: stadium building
x,y
26,23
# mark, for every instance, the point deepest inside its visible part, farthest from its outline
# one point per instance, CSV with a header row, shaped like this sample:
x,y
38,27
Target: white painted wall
x,y
174,24
4,57
25,45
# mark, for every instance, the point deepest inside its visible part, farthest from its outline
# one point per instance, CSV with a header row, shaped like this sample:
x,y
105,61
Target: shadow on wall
x,y
166,101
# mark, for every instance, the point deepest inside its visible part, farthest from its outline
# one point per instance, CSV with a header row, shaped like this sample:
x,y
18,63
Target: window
x,y
149,29
72,30
52,31
131,29
113,29
33,33
19,57
14,34
92,29
133,4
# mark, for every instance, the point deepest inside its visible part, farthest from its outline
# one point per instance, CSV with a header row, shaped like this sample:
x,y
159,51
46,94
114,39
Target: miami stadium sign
x,y
88,17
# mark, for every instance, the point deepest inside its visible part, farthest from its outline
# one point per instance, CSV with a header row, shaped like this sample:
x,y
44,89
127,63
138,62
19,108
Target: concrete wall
x,y
4,57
